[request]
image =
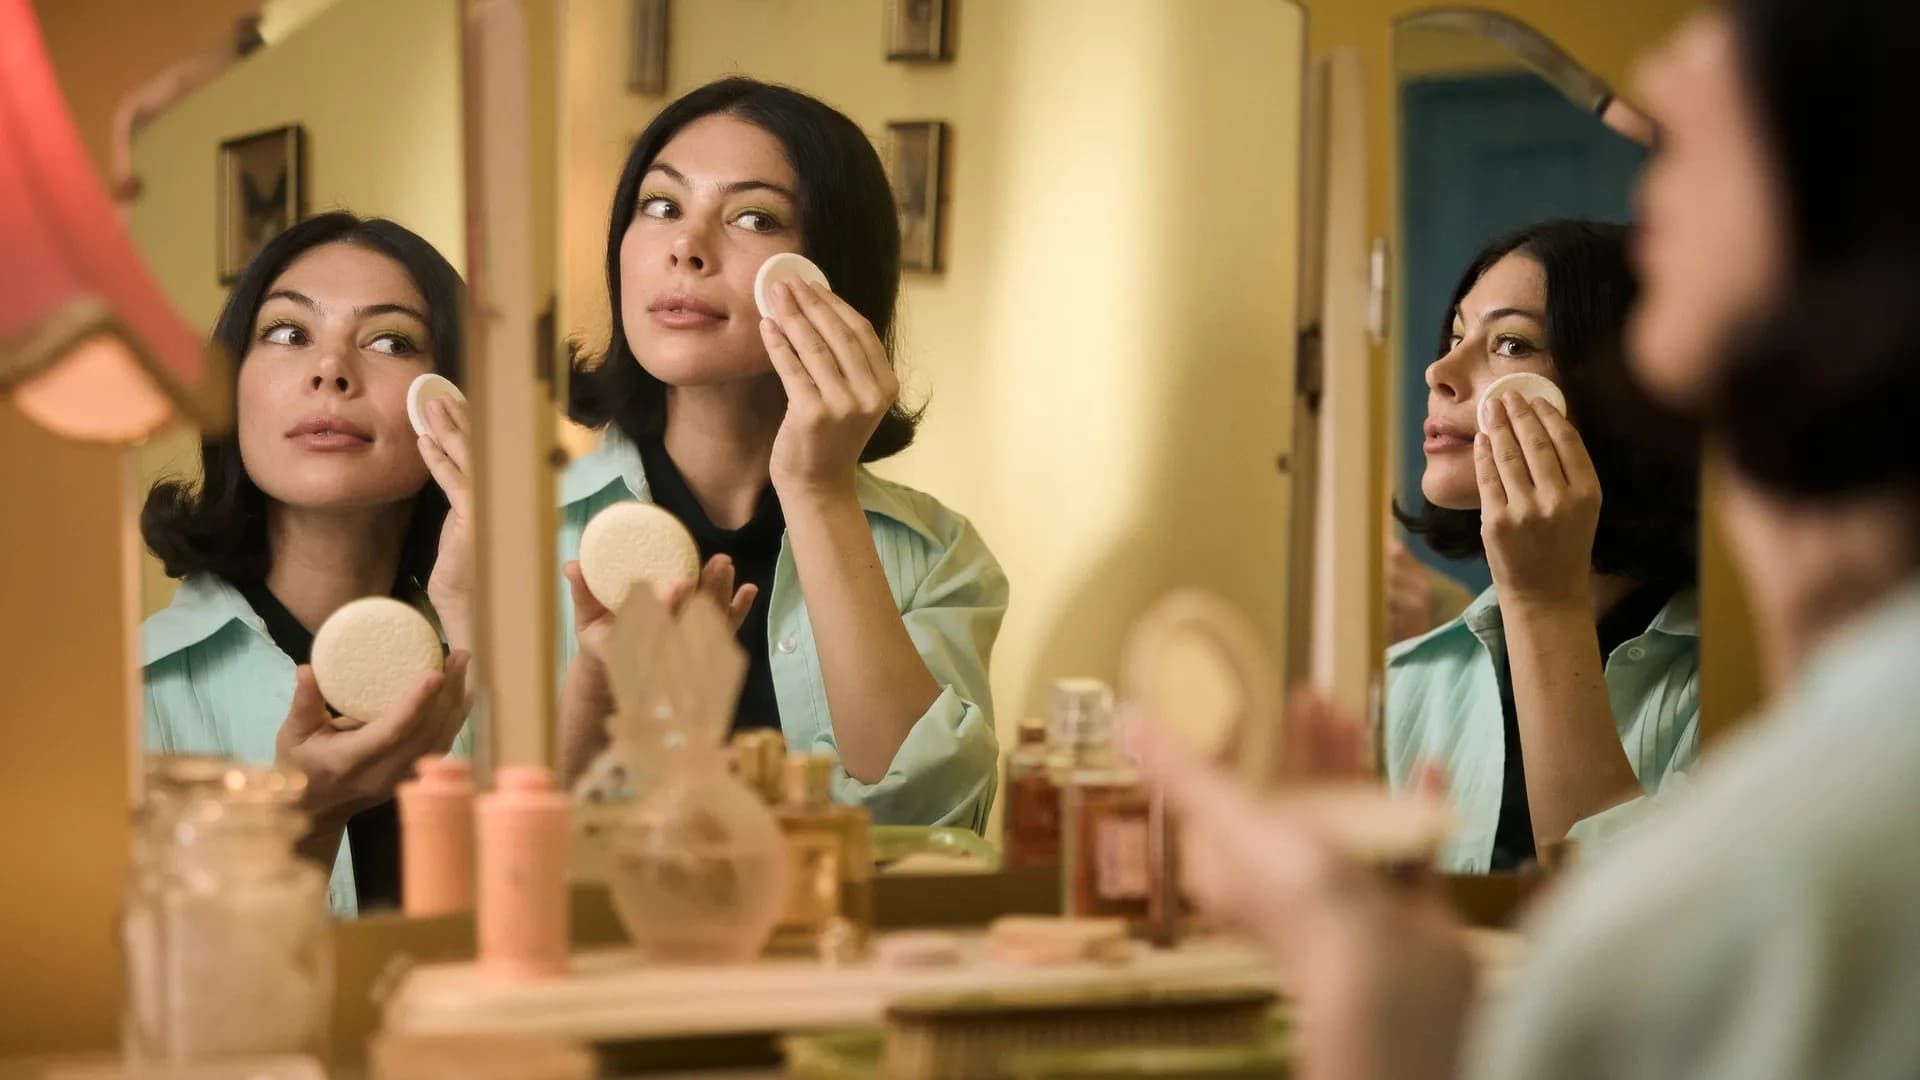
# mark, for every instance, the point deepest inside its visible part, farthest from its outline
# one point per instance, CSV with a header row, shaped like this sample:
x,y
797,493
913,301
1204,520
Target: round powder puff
x,y
369,654
634,541
1529,386
424,390
779,268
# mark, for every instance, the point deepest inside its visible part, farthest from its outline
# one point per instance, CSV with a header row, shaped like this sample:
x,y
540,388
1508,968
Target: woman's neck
x,y
1809,569
1608,591
721,440
324,558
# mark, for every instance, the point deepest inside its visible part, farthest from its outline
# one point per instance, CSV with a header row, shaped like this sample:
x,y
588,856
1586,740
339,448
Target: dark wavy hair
x,y
1820,395
1647,459
219,525
847,223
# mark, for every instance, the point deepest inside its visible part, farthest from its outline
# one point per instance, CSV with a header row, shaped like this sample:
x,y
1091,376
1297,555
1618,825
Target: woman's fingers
x,y
308,712
815,352
447,420
586,608
1572,449
401,726
1486,474
741,604
716,580
788,366
453,704
1509,460
862,355
446,473
1537,447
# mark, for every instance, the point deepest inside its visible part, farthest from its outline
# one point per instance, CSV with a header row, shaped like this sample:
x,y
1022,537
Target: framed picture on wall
x,y
647,67
916,29
262,193
916,156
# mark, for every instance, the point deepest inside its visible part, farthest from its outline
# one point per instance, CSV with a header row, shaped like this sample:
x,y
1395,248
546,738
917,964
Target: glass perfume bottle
x,y
225,929
698,869
830,905
1117,855
757,759
1033,801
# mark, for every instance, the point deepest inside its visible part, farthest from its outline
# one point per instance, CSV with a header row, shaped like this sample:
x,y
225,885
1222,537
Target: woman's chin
x,y
1449,493
344,493
682,372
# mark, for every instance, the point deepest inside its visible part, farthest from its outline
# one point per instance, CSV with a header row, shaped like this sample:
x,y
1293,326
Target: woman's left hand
x,y
839,385
1539,505
448,458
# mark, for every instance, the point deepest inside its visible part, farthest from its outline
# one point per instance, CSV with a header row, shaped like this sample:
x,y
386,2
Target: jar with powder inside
x,y
224,928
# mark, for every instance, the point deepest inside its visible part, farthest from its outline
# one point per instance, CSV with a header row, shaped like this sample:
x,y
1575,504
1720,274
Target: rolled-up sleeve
x,y
947,769
1663,745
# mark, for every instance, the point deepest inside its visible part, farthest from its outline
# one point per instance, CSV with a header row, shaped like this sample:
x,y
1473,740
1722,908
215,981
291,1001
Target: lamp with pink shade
x,y
90,348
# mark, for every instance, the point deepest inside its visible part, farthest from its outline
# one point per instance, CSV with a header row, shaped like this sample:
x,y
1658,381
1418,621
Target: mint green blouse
x,y
951,594
1443,704
1766,927
215,683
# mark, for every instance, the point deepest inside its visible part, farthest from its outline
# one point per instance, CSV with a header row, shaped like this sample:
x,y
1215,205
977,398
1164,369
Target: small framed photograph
x,y
647,66
916,158
262,193
917,29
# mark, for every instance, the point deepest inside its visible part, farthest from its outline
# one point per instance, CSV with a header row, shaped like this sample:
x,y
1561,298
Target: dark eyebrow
x,y
388,309
1498,313
734,188
359,313
288,294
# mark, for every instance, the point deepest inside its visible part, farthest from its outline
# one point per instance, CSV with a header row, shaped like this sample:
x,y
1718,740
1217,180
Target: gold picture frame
x,y
916,160
918,30
262,192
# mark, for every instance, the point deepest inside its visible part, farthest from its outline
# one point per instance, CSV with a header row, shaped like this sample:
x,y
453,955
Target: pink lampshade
x,y
89,345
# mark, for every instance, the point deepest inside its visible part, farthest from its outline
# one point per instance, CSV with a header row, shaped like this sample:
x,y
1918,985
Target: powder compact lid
x,y
1197,668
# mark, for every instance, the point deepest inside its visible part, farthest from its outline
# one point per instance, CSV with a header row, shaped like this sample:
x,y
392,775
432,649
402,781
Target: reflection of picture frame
x,y
916,156
916,29
647,67
262,193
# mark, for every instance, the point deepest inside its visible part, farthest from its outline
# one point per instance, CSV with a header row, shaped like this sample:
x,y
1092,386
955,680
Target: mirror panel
x,y
349,105
1501,130
1105,351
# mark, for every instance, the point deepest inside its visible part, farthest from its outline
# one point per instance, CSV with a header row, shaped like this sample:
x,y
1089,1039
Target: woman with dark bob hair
x,y
321,494
868,610
1761,924
1576,676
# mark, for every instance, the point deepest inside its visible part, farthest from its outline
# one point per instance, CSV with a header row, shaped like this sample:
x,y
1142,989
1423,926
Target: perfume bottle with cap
x,y
830,903
1116,855
757,758
1033,801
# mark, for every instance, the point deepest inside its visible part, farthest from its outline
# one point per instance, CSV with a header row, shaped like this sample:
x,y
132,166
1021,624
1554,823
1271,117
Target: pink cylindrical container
x,y
523,909
436,837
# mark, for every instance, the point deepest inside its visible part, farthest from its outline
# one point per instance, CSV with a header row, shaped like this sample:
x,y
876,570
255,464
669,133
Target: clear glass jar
x,y
224,929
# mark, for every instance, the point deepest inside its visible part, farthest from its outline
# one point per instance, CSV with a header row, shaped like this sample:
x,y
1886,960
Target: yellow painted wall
x,y
1108,356
376,85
